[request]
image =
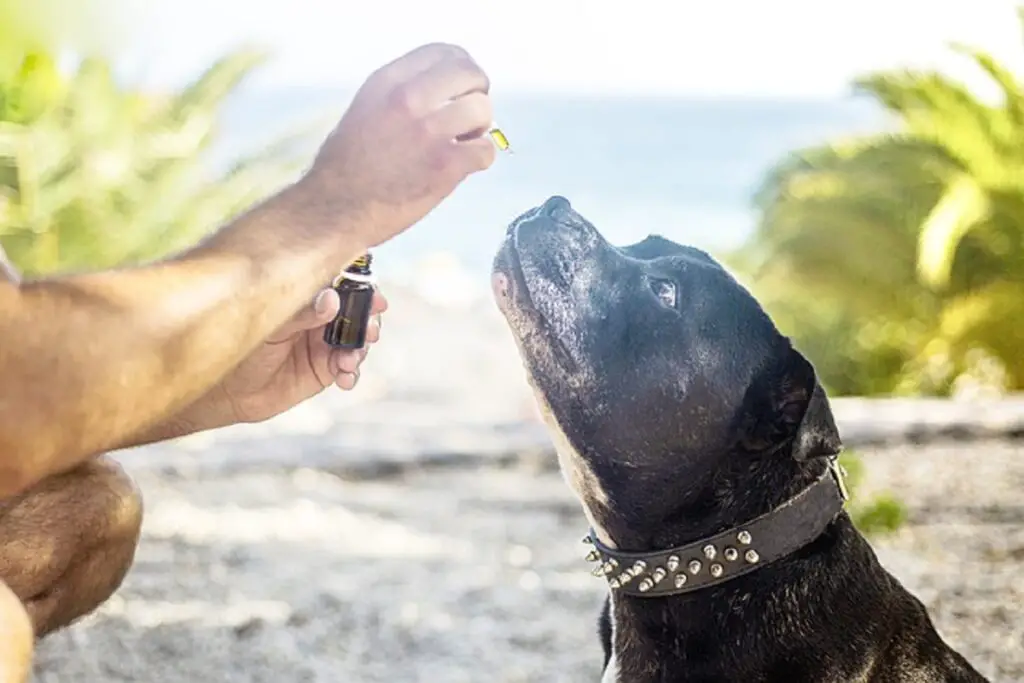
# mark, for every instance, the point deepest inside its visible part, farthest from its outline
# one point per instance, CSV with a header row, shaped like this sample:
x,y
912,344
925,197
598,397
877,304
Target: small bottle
x,y
354,286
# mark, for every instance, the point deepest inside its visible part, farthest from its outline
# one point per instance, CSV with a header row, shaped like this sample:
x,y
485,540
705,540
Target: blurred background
x,y
859,166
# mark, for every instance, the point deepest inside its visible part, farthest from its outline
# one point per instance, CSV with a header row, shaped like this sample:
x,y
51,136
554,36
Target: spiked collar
x,y
726,555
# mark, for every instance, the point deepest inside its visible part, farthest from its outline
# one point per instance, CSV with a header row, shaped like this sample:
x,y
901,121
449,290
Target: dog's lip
x,y
518,295
512,268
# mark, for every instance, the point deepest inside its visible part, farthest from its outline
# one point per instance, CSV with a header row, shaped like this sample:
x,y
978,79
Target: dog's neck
x,y
720,505
727,554
678,639
681,634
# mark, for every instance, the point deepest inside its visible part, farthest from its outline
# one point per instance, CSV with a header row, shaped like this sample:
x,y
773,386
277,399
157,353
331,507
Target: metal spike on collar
x,y
726,554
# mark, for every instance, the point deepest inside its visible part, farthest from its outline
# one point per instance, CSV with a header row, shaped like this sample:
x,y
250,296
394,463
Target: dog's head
x,y
674,401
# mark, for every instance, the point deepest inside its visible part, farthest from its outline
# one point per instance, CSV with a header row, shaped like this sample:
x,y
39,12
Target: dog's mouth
x,y
508,280
511,286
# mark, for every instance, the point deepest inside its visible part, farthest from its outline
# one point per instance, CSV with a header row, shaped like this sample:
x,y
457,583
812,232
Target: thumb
x,y
322,311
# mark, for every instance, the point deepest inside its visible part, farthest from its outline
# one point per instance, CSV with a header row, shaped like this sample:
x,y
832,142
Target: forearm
x,y
174,427
89,362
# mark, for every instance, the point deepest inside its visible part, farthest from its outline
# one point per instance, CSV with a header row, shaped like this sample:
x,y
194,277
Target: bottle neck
x,y
358,271
361,266
366,278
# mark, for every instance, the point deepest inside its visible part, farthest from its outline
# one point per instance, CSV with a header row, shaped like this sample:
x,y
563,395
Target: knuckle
x,y
119,494
383,79
483,110
450,50
402,99
423,129
468,66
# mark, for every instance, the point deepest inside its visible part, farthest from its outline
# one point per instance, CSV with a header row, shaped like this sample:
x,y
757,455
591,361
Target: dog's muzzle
x,y
732,553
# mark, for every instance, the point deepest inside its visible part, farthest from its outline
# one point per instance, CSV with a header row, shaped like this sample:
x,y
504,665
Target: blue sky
x,y
726,47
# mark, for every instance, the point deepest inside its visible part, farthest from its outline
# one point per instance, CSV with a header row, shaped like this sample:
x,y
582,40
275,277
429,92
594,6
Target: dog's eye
x,y
665,290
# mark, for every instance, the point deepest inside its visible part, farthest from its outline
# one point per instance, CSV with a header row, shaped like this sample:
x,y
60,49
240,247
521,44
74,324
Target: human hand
x,y
414,131
294,364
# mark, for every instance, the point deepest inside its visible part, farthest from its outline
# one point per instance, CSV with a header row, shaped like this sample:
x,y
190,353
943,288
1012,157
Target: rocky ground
x,y
415,530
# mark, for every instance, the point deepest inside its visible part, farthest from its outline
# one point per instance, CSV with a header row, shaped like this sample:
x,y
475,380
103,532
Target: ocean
x,y
684,168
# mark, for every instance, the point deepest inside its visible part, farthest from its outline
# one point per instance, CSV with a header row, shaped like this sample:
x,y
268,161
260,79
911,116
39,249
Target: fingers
x,y
474,155
344,364
322,311
448,80
347,365
464,123
380,303
419,60
424,80
345,361
463,118
347,381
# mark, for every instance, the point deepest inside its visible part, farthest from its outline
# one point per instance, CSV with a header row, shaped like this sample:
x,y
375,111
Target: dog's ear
x,y
805,411
787,404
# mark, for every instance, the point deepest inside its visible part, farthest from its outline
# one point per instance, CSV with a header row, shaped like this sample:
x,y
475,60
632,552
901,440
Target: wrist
x,y
203,415
165,430
317,208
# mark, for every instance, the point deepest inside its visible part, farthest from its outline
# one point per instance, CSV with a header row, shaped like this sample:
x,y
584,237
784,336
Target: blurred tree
x,y
896,261
94,174
92,26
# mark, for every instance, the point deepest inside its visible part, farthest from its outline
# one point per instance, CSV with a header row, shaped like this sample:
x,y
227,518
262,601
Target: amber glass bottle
x,y
355,289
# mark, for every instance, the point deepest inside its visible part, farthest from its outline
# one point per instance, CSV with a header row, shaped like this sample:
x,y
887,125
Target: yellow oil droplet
x,y
500,140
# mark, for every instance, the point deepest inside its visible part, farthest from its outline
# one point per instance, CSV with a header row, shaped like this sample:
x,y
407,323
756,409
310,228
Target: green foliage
x,y
879,514
61,27
882,515
94,174
896,260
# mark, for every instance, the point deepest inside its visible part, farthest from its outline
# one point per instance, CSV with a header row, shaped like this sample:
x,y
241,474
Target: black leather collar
x,y
729,554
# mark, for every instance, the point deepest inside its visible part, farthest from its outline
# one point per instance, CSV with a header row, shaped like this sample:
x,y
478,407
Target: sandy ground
x,y
474,574
307,548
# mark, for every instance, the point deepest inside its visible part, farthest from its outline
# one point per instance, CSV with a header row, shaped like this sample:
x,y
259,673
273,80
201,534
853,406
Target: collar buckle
x,y
839,476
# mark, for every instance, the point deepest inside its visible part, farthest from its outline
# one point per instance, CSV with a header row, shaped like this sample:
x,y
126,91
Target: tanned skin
x,y
99,361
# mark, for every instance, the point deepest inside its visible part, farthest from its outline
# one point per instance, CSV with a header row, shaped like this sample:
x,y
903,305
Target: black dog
x,y
702,449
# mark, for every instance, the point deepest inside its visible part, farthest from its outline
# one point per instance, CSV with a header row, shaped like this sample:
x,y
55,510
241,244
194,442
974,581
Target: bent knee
x,y
117,499
94,504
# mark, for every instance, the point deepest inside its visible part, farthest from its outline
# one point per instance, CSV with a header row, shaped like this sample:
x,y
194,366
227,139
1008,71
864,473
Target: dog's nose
x,y
556,207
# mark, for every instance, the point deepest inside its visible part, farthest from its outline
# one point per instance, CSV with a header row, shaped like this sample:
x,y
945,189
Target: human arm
x,y
293,365
88,362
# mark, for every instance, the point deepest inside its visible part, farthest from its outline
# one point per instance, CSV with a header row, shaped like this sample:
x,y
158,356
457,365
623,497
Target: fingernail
x,y
320,303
